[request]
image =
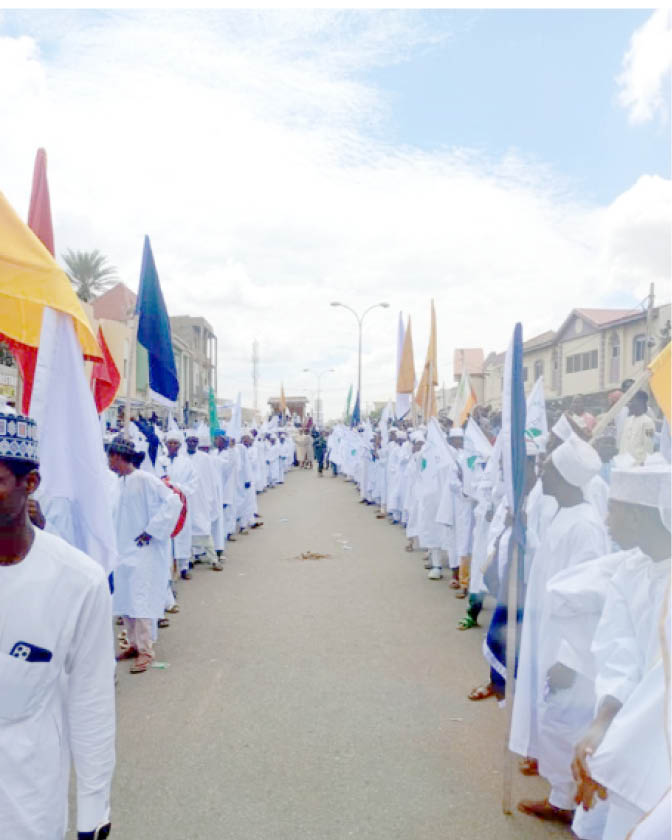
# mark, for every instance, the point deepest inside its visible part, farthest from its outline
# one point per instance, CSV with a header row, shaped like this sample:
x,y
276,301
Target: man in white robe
x,y
226,468
205,508
625,754
145,513
178,470
57,692
575,535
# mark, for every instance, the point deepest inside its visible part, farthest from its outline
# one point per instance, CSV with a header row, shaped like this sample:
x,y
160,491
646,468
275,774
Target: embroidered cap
x,y
18,439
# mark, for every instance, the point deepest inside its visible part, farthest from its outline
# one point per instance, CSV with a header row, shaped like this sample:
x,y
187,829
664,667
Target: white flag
x,y
76,481
536,422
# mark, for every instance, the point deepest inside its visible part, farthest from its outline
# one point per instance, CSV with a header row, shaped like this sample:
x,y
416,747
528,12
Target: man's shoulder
x,y
65,557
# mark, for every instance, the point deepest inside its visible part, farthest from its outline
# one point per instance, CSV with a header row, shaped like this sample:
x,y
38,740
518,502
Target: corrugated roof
x,y
600,317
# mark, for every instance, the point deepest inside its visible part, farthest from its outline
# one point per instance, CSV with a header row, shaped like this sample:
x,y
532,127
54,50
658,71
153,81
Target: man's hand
x,y
143,539
35,514
586,786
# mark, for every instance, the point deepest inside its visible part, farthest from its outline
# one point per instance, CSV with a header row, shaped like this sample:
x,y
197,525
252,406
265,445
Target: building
x,y
591,353
194,347
469,360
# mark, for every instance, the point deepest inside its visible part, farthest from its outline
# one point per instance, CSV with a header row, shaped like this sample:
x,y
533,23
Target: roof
x,y
288,399
602,317
116,304
539,340
469,359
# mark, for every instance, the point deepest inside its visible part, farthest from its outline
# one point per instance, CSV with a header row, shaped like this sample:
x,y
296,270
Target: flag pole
x,y
129,373
511,629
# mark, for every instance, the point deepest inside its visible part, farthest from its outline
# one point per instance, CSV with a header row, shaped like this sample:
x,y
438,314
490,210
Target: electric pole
x,y
255,375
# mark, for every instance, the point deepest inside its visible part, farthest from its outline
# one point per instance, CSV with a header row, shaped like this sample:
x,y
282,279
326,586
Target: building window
x,y
638,349
538,369
582,361
614,358
524,374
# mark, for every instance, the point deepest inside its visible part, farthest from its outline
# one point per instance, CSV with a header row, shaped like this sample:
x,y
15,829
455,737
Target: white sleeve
x,y
90,706
615,648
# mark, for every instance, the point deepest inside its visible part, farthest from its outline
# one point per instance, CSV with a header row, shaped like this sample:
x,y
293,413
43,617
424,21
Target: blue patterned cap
x,y
18,439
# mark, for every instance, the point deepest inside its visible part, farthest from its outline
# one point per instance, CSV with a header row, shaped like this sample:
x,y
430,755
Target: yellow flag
x,y
660,380
406,378
30,279
425,396
283,401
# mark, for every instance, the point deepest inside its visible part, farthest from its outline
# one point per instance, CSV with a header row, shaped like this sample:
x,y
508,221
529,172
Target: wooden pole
x,y
511,633
130,374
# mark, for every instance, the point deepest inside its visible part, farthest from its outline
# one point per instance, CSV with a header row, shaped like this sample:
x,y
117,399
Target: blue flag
x,y
154,331
513,464
356,413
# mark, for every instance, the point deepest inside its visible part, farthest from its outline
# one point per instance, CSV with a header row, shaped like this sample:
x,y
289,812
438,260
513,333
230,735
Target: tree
x,y
89,273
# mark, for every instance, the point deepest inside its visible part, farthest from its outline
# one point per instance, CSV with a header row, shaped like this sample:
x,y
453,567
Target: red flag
x,y
105,377
39,221
39,214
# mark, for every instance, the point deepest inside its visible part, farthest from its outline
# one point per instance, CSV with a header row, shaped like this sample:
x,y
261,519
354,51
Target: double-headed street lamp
x,y
319,375
360,319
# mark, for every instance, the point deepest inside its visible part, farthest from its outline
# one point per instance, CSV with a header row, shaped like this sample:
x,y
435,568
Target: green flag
x,y
212,405
347,406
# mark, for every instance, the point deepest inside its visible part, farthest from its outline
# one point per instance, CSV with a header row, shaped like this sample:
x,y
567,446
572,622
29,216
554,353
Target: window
x,y
638,349
524,374
614,358
582,361
538,369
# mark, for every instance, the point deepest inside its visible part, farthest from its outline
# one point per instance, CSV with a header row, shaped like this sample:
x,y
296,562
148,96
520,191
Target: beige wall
x,y
585,381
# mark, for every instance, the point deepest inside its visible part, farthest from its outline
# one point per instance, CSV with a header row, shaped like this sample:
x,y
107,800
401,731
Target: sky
x,y
510,165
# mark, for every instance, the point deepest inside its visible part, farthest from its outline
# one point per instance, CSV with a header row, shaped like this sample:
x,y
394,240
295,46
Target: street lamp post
x,y
360,320
319,376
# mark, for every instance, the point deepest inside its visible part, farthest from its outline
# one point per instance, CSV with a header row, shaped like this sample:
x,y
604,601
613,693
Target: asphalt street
x,y
315,699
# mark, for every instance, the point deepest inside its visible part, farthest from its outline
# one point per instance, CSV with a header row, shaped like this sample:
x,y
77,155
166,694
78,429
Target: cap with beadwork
x,y
18,439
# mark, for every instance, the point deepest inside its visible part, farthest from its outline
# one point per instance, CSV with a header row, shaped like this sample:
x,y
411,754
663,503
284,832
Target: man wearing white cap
x,y
625,752
574,535
178,469
204,506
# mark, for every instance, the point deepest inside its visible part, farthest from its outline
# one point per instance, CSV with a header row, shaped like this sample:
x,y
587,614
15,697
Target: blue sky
x,y
281,160
542,83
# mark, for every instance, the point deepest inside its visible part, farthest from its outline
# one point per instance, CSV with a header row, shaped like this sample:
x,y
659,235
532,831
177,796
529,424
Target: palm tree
x,y
89,273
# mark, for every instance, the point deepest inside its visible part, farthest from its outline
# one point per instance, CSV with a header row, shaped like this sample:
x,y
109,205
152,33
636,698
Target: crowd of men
x,y
590,713
183,495
177,498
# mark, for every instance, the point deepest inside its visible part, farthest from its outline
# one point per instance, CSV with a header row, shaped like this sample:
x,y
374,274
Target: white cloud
x,y
253,152
645,80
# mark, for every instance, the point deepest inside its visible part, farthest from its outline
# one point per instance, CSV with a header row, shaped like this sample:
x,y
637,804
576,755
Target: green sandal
x,y
467,623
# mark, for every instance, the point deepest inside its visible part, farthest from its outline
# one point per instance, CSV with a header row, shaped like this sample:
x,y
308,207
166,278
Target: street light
x,y
319,380
360,319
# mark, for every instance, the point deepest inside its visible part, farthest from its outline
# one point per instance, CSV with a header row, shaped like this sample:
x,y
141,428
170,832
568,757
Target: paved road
x,y
314,699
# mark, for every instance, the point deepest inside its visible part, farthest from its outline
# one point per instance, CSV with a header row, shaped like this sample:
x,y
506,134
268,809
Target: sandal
x,y
545,811
529,766
461,594
454,584
467,623
141,664
482,692
163,622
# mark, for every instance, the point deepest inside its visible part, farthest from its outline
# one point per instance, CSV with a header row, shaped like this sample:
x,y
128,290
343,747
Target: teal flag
x,y
347,405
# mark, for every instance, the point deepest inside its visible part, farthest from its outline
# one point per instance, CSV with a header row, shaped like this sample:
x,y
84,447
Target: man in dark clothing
x,y
319,449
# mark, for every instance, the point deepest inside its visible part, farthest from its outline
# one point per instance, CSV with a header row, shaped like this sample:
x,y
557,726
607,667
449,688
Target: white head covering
x,y
456,432
563,428
576,461
203,435
174,434
417,436
648,485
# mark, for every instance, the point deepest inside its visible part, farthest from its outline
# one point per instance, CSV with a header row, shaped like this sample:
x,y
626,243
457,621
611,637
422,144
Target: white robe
x,y
143,503
55,712
180,472
574,535
204,501
633,761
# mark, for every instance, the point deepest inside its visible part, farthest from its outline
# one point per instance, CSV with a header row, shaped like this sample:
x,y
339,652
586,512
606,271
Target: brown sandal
x,y
482,692
529,766
545,811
